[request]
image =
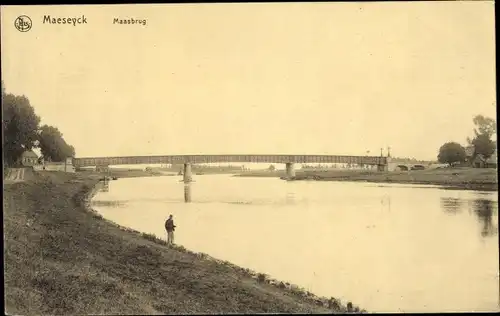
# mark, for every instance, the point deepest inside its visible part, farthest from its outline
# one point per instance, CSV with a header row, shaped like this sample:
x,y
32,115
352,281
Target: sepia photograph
x,y
244,158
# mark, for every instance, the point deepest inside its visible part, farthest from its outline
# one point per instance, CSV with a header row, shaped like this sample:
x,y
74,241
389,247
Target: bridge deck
x,y
198,159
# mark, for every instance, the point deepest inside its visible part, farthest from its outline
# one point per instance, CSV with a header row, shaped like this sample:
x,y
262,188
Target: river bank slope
x,y
62,258
451,178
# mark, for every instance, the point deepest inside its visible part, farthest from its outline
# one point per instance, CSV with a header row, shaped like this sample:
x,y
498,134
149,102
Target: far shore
x,y
136,173
125,173
479,179
449,178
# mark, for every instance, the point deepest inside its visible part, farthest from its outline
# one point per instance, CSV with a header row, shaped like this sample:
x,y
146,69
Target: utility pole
x,y
388,151
381,153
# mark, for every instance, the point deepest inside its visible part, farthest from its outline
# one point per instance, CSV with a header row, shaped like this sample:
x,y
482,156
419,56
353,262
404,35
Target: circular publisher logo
x,y
23,23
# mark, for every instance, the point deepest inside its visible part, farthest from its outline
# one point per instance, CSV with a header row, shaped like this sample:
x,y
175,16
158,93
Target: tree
x,y
52,144
20,126
484,131
484,126
451,153
484,146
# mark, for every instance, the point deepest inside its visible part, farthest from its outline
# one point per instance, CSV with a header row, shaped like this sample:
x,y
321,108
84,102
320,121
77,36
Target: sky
x,y
268,78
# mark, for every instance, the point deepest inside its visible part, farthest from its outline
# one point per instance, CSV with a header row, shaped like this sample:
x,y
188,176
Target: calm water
x,y
384,247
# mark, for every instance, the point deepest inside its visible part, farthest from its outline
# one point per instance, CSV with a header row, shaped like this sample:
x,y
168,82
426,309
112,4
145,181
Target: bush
x,y
261,277
153,238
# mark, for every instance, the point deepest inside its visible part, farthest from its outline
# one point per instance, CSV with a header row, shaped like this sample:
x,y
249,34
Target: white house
x,y
29,158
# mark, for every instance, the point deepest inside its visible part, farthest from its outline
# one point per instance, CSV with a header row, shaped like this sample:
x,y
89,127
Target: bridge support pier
x,y
188,176
382,167
290,171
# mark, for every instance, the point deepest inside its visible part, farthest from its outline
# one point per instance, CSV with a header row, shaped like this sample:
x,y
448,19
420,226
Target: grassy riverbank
x,y
61,258
453,178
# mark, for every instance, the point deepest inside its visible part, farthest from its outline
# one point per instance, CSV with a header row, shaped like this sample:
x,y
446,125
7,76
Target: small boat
x,y
115,178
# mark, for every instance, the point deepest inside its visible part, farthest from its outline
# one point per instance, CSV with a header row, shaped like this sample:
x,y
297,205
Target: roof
x,y
29,154
491,159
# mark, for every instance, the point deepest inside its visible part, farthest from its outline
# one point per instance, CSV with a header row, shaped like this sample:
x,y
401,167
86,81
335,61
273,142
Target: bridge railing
x,y
196,159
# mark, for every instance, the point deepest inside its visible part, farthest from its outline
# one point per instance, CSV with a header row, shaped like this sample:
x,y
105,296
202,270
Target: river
x,y
385,247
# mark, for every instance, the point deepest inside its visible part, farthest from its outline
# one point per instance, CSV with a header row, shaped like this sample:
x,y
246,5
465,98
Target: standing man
x,y
170,227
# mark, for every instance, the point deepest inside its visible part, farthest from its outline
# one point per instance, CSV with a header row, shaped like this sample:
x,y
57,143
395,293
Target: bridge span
x,y
196,159
379,161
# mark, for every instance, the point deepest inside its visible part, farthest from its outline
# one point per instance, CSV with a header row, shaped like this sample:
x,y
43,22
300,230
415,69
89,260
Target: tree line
x,y
483,145
22,132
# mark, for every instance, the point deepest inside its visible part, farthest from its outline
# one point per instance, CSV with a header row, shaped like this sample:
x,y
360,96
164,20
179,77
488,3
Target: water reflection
x,y
290,198
452,205
187,192
484,210
385,203
104,186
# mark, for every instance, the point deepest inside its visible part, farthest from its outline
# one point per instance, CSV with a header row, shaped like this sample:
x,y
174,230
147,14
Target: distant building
x,y
493,160
29,158
478,161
